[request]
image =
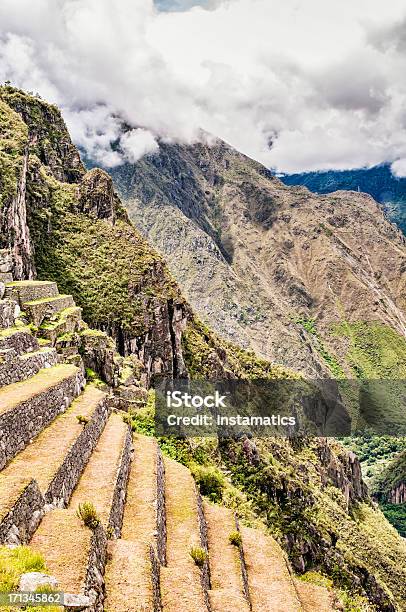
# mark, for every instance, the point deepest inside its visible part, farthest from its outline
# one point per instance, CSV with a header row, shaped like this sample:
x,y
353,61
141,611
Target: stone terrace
x,y
63,444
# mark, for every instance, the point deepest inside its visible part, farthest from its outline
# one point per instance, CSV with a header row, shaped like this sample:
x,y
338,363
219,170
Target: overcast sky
x,y
323,81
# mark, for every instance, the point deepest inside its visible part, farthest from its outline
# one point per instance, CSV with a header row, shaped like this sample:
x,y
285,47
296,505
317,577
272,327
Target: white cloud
x,y
399,168
137,143
326,81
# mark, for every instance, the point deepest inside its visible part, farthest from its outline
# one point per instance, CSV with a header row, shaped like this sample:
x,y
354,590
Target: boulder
x,y
32,580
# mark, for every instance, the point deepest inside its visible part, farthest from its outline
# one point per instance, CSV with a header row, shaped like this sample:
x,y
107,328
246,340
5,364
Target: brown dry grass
x,y
139,522
128,571
42,458
225,567
97,482
270,583
13,395
128,578
314,598
180,581
64,542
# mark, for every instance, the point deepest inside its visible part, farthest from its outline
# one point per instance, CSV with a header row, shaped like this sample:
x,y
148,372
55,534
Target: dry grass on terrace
x,y
13,395
225,566
43,457
64,542
180,581
270,583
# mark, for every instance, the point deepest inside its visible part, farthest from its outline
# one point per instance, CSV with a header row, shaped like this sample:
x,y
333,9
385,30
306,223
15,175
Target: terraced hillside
x,y
63,382
153,544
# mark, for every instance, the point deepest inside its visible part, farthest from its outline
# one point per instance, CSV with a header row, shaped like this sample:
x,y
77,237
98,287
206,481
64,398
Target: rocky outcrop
x,y
14,230
97,198
398,494
48,137
343,469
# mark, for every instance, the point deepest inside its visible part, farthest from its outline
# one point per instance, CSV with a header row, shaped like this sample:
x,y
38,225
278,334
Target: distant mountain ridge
x,y
301,279
379,182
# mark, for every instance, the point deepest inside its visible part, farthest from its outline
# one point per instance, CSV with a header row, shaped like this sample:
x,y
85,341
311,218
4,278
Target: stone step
x,y
27,407
270,584
55,460
227,588
97,484
181,587
314,598
27,291
18,339
9,311
129,568
45,308
75,554
128,577
15,368
66,321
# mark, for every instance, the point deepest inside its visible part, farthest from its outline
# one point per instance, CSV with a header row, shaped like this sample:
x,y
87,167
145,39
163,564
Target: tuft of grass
x,y
235,538
88,514
199,555
82,419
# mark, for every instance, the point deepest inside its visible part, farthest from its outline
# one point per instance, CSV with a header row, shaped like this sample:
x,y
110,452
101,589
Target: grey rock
x,y
32,580
76,602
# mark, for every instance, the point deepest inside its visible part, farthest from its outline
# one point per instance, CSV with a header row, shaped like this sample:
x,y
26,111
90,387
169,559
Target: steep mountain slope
x,y
276,268
310,497
379,182
65,224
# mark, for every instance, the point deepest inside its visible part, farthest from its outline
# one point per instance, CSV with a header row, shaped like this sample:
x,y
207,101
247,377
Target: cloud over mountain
x,y
324,82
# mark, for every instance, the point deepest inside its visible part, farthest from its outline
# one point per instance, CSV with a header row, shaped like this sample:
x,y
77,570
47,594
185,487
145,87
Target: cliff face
x,y
276,268
390,484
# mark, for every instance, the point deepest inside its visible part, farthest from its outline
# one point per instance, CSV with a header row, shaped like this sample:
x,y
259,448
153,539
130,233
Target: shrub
x,y
82,419
235,538
88,514
210,481
199,555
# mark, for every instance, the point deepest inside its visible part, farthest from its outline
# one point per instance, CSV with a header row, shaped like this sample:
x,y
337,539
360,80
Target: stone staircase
x,y
63,444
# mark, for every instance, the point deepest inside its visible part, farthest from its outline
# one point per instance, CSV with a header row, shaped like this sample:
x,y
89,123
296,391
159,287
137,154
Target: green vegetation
x,y
207,356
210,480
310,326
82,419
88,514
235,538
13,141
396,515
17,561
376,351
199,555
